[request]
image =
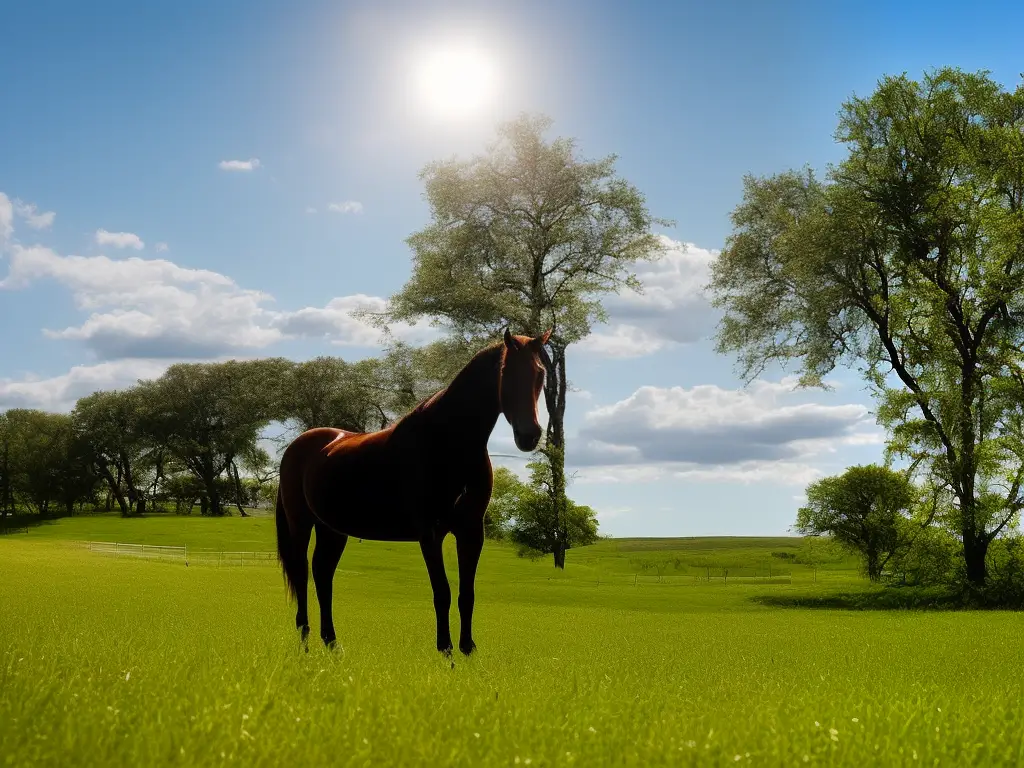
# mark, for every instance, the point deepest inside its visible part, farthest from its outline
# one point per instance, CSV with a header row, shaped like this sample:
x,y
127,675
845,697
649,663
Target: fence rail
x,y
183,554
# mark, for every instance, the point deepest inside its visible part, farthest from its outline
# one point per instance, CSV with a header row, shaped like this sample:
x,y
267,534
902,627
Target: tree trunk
x,y
874,571
975,553
114,489
233,472
559,554
554,449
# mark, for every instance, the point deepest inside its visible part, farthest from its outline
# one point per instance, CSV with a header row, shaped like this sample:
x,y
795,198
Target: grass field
x,y
117,661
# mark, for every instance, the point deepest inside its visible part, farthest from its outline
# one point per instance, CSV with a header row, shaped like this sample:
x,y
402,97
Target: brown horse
x,y
426,476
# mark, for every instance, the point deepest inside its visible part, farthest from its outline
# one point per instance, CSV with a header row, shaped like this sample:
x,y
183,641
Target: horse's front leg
x,y
430,546
469,541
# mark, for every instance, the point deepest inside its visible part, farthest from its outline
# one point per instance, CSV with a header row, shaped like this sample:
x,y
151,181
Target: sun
x,y
457,81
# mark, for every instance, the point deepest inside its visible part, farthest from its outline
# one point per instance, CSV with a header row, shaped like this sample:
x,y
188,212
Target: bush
x,y
929,559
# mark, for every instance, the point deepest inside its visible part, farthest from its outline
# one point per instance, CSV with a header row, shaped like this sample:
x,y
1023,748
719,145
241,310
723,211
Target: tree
x,y
907,262
526,514
527,236
329,392
864,509
43,462
209,414
508,494
115,429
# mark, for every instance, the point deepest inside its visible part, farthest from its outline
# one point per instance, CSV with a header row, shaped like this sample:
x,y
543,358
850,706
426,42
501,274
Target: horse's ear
x,y
511,341
543,338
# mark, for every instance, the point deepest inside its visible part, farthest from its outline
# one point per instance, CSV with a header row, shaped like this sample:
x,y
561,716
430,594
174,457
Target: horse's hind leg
x,y
326,554
301,544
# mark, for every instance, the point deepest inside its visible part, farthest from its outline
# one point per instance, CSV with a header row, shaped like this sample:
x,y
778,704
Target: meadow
x,y
629,657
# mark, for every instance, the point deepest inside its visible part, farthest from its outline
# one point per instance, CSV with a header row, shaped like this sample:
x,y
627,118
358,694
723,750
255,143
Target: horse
x,y
417,480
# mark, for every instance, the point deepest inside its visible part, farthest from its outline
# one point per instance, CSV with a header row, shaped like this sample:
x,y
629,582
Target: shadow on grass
x,y
887,599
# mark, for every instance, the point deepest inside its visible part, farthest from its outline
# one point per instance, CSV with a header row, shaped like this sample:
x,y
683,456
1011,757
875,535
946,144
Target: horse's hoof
x,y
331,644
445,649
304,633
467,648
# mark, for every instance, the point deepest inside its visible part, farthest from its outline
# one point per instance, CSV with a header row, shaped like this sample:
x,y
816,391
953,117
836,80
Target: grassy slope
x,y
116,661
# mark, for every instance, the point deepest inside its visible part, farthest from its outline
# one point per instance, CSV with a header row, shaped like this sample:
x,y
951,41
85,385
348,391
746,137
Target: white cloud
x,y
162,247
6,218
672,309
310,209
59,393
336,324
119,239
32,217
348,206
706,432
623,341
239,165
148,308
153,308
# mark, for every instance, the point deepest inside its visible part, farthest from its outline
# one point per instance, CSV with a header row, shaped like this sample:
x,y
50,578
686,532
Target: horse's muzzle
x,y
526,440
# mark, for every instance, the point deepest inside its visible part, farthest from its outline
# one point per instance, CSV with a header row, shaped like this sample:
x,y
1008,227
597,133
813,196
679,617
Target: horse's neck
x,y
470,405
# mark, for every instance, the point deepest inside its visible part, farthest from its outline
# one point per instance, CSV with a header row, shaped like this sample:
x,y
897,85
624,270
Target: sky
x,y
202,181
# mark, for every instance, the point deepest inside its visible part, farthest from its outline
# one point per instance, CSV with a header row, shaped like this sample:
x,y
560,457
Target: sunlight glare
x,y
456,82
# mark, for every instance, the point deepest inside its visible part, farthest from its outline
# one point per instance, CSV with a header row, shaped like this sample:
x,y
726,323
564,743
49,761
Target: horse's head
x,y
522,379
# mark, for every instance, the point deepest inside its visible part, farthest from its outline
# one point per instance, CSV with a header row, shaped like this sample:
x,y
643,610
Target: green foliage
x,y
864,509
44,467
330,392
524,514
907,262
207,415
114,429
929,559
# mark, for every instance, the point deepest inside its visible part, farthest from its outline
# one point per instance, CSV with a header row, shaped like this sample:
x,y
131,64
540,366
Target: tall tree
x,y
209,414
907,262
115,428
330,392
528,236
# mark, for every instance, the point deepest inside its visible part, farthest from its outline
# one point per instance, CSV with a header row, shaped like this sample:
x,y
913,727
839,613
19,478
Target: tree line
x,y
192,437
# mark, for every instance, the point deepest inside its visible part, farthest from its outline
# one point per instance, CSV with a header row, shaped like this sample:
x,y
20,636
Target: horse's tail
x,y
286,550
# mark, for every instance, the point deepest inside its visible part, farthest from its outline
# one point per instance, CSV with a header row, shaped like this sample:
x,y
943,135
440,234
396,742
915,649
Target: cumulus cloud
x,y
119,239
59,393
348,206
6,218
153,308
32,216
672,309
162,247
239,165
708,432
336,323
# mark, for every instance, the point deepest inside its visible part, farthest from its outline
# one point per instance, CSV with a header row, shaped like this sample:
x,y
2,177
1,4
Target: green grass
x,y
115,661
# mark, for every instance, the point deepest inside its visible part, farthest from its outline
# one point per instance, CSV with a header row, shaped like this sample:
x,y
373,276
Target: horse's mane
x,y
428,401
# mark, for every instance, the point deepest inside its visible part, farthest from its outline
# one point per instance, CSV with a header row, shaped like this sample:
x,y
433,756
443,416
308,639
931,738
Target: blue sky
x,y
118,116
